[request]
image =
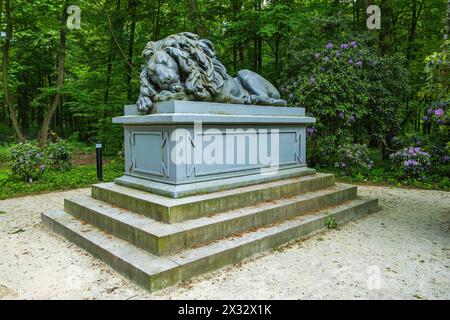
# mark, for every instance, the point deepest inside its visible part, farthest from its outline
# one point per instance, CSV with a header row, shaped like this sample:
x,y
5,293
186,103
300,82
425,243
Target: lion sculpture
x,y
184,67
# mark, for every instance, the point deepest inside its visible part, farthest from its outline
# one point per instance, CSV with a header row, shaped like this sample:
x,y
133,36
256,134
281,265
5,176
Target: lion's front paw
x,y
177,87
251,99
168,95
144,105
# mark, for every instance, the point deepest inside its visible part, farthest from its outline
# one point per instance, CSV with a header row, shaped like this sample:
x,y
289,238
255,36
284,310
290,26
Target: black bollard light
x,y
98,156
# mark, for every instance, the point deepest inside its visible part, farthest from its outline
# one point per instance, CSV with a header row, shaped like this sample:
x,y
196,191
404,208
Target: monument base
x,y
166,221
158,241
189,189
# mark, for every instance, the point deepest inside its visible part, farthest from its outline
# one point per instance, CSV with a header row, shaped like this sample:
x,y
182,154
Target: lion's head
x,y
180,62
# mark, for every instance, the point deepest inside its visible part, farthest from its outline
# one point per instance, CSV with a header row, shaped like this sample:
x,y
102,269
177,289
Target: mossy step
x,y
162,238
154,272
175,210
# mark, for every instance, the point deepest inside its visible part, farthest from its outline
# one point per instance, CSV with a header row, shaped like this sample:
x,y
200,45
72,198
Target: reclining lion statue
x,y
184,67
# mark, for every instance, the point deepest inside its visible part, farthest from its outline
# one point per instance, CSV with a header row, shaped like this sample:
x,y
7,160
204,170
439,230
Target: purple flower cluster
x,y
344,46
29,161
325,61
437,114
413,160
26,160
411,163
353,157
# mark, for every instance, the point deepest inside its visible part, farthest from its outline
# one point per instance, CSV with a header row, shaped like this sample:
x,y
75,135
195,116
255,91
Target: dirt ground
x,y
400,252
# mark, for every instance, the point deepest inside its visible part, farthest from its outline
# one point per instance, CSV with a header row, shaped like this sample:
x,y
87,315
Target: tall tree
x,y
118,25
415,14
5,69
59,80
132,8
197,18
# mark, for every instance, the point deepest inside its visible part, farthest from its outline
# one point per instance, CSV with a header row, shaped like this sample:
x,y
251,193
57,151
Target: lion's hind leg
x,y
261,91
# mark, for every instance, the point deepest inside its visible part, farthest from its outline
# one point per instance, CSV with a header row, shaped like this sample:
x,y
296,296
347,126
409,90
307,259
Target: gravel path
x,y
400,252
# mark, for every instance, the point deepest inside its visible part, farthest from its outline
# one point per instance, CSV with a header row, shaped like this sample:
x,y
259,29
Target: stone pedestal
x,y
185,147
166,221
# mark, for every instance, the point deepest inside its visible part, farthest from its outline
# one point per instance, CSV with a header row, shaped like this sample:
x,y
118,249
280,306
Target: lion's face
x,y
163,70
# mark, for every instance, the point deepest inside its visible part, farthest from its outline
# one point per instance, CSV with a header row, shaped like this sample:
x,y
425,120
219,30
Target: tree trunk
x,y
235,8
196,18
111,56
6,93
447,24
415,14
364,5
255,54
387,29
132,7
59,82
156,27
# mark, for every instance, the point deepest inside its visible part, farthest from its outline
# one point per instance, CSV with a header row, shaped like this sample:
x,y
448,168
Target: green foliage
x,y
111,136
4,154
76,177
27,161
414,161
404,75
437,71
348,88
436,119
331,223
6,133
394,176
353,158
58,155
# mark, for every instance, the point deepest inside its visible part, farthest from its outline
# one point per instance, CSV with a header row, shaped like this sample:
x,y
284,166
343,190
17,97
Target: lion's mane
x,y
200,71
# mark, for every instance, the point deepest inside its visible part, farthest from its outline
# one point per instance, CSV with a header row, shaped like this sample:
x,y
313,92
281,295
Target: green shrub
x,y
26,161
351,90
414,161
353,158
4,154
29,162
52,180
58,155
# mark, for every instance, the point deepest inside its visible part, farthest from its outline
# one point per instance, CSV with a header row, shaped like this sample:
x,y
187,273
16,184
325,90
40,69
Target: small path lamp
x,y
99,160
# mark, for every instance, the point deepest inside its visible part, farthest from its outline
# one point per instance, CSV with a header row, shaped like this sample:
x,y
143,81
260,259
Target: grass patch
x,y
3,154
384,176
77,177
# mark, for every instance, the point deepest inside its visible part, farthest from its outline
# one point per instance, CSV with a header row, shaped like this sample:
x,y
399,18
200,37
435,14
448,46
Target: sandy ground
x,y
400,252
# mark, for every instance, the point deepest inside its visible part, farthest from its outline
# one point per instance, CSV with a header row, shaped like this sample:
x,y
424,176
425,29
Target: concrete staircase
x,y
157,241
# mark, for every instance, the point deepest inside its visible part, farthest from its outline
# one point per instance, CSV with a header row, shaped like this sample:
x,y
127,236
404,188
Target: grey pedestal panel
x,y
189,143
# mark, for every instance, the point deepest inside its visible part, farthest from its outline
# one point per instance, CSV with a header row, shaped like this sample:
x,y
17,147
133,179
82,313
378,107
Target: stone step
x,y
154,272
175,210
162,238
